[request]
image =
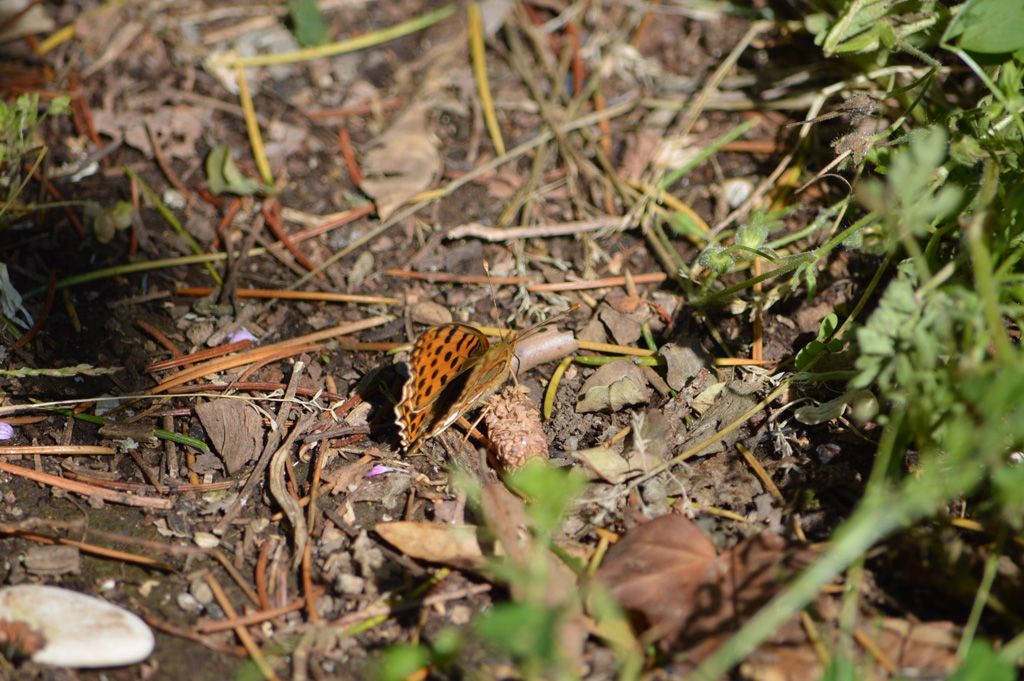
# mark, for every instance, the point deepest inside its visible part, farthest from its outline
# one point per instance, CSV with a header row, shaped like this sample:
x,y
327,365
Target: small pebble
x,y
737,190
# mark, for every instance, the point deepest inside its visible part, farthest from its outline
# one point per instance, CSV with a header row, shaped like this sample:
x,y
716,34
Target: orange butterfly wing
x,y
441,356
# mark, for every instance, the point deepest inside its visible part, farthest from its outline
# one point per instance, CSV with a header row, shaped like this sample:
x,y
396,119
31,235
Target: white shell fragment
x,y
80,631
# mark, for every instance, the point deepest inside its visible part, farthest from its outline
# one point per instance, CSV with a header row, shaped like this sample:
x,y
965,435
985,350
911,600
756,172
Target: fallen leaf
x,y
402,162
692,600
625,328
606,463
683,362
920,650
224,177
612,387
662,570
34,20
177,128
454,545
235,429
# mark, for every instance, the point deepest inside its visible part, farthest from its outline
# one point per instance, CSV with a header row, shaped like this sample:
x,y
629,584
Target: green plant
x,y
18,124
945,203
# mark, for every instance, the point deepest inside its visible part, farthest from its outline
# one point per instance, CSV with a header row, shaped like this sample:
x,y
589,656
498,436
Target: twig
x,y
345,143
479,231
181,632
56,450
272,214
243,634
311,516
252,126
344,46
760,472
282,349
479,62
339,220
159,337
85,547
449,277
248,620
295,295
165,167
87,490
645,278
198,356
276,470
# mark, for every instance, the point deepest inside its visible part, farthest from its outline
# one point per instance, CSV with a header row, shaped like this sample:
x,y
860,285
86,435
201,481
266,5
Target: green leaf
x,y
549,491
717,259
524,630
988,26
983,664
398,662
308,23
683,225
225,177
59,106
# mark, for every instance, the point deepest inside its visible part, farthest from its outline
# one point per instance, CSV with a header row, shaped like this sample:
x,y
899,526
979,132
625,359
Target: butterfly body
x,y
452,369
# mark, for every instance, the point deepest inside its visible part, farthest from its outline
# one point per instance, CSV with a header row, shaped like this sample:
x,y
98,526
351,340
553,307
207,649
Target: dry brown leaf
x,y
178,129
34,20
235,429
920,650
402,162
625,328
605,463
683,362
613,386
661,570
692,600
454,545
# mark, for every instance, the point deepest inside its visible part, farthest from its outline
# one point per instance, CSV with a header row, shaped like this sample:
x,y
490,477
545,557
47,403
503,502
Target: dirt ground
x,y
355,143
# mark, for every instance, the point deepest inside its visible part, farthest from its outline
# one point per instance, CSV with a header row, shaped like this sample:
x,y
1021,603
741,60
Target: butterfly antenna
x,y
494,298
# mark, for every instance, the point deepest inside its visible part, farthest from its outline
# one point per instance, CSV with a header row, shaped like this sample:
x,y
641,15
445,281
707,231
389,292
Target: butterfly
x,y
452,369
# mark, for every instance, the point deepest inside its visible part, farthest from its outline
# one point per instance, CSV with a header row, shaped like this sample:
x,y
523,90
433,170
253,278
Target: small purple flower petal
x,y
6,431
381,469
241,335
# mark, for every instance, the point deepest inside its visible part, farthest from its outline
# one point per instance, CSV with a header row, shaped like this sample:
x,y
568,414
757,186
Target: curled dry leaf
x,y
235,429
692,600
402,162
614,386
514,426
454,545
543,347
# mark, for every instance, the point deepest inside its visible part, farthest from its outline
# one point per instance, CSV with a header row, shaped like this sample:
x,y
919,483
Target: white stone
x,y
80,631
